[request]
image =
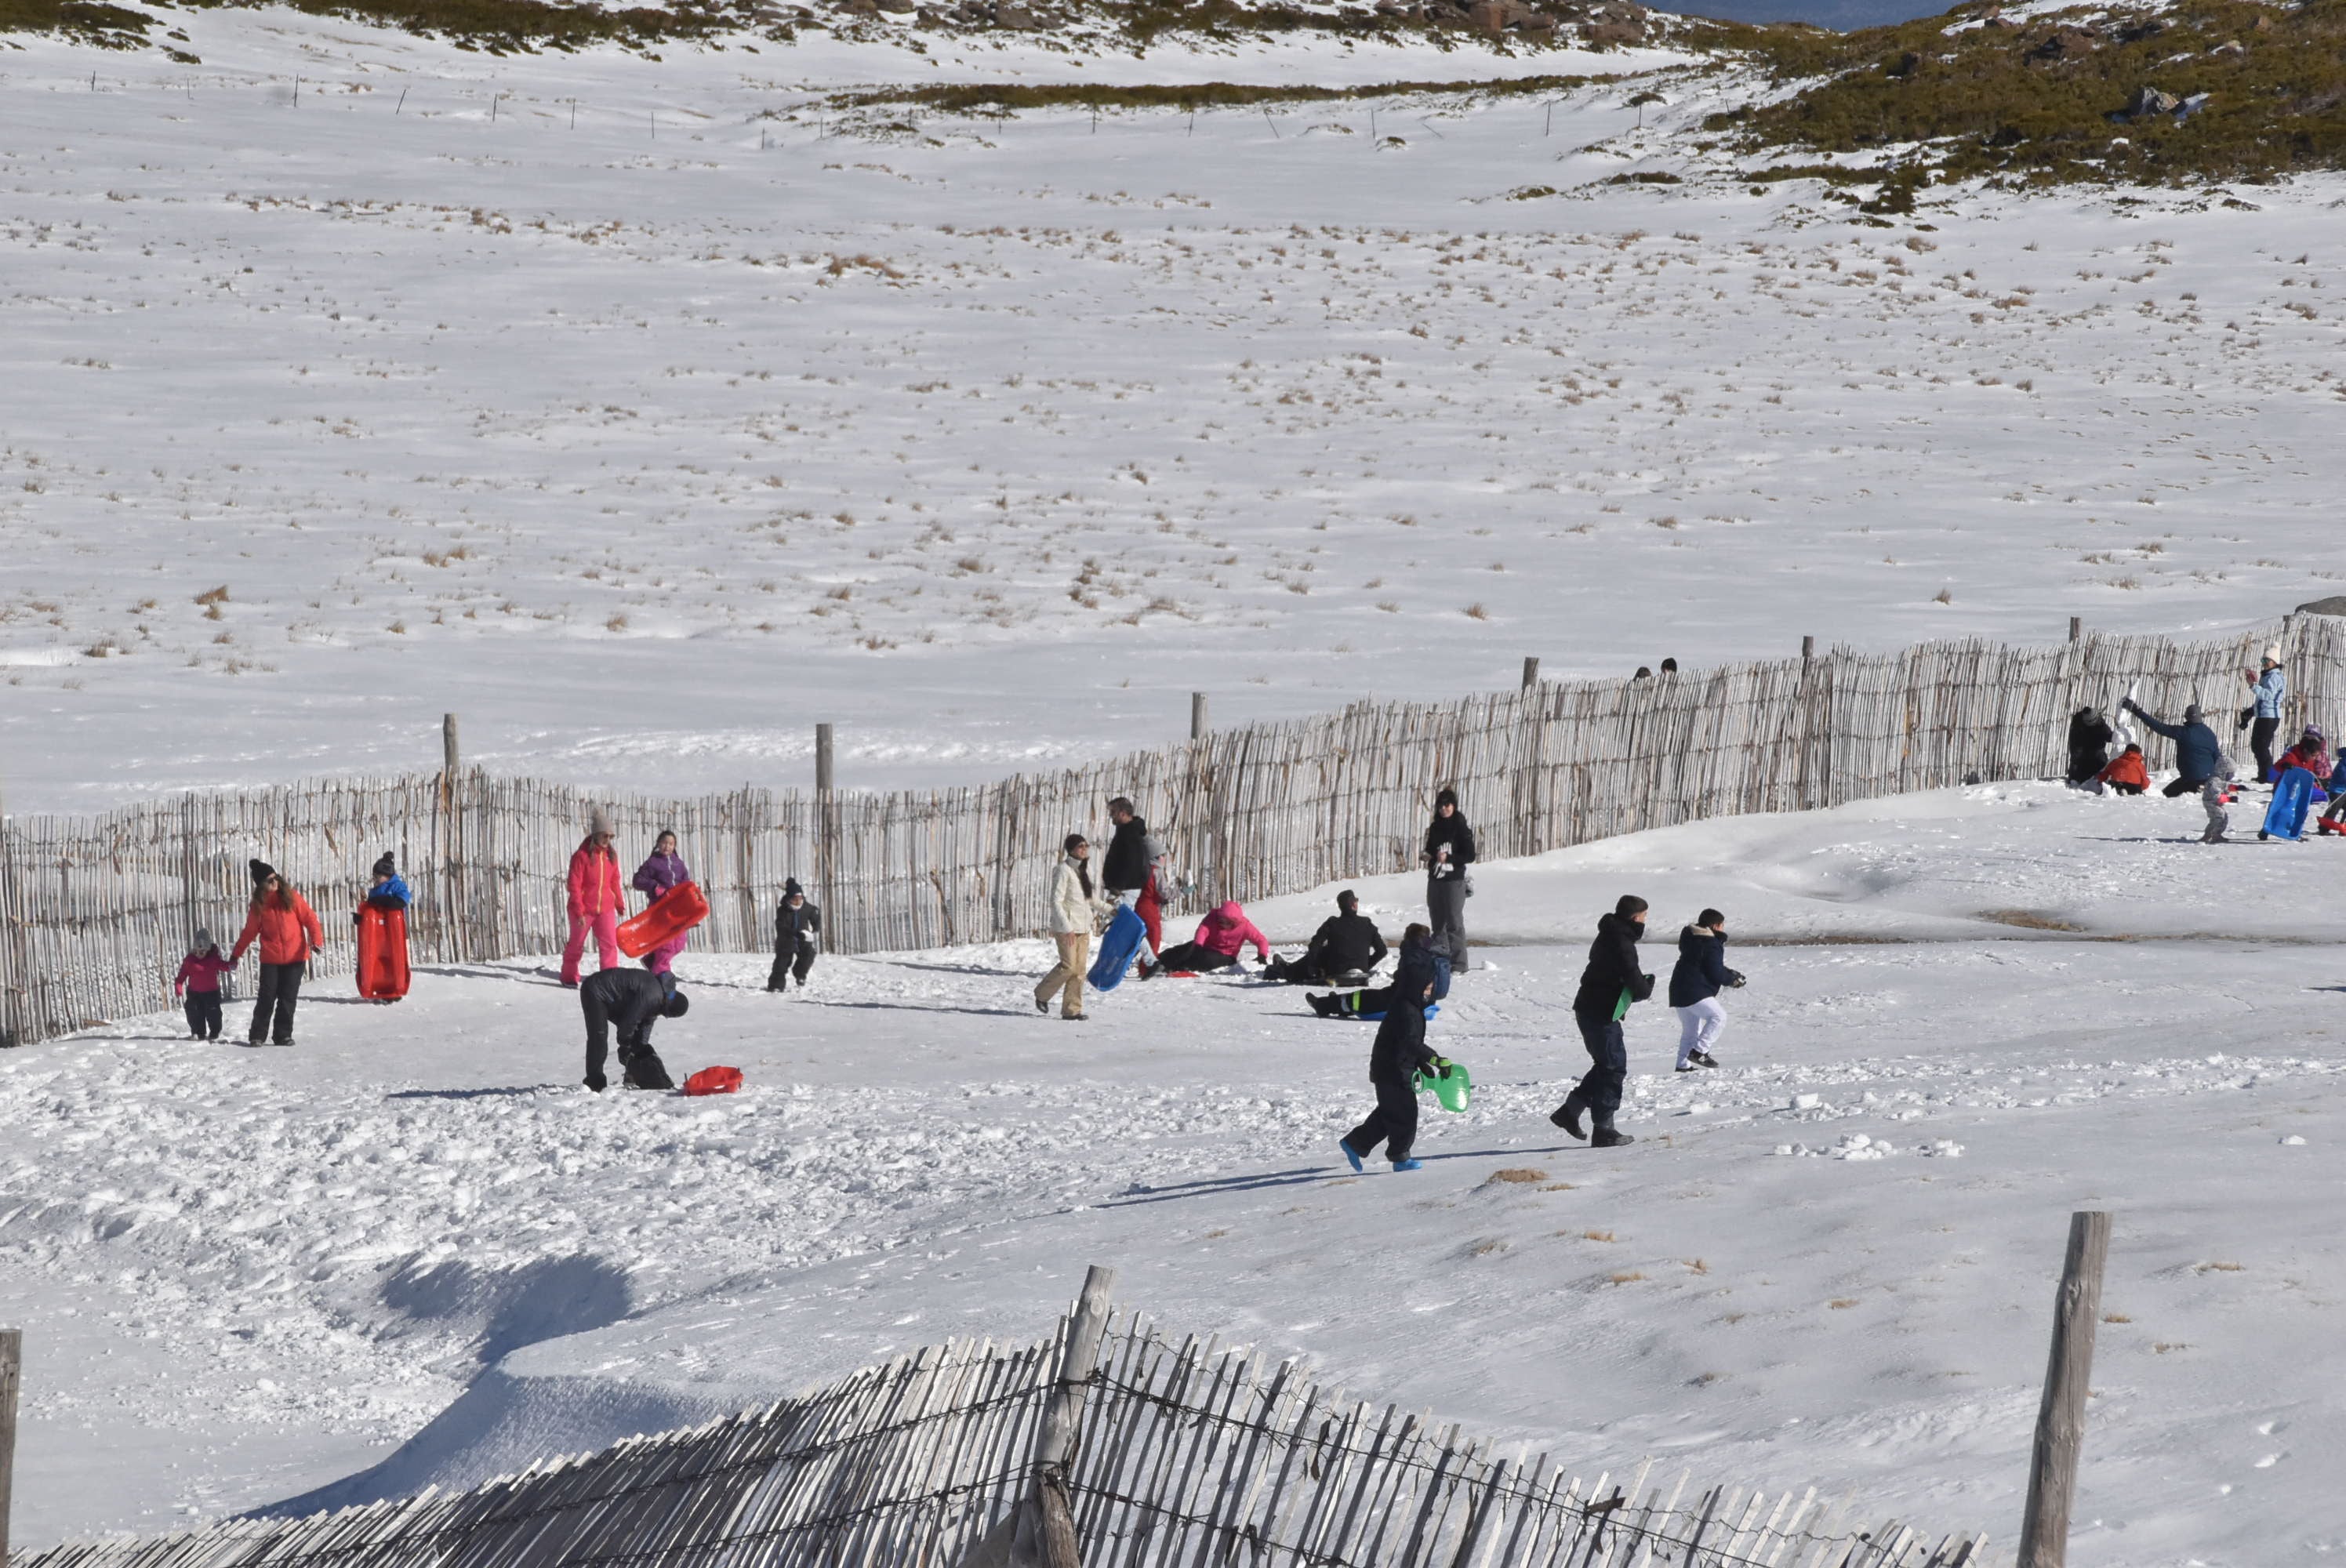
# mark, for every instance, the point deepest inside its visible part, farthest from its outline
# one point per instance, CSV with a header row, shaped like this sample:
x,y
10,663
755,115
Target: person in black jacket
x,y
797,934
1344,949
2090,747
1449,851
632,1000
1399,1055
1421,963
1607,986
1124,869
1695,984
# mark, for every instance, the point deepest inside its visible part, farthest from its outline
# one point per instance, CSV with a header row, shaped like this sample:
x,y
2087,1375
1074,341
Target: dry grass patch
x,y
1514,1176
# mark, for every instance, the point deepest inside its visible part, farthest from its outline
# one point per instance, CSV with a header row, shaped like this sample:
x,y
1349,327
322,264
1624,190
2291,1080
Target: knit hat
x,y
790,888
2191,714
598,820
1448,797
1712,918
262,871
382,868
2272,653
203,941
676,1004
1629,905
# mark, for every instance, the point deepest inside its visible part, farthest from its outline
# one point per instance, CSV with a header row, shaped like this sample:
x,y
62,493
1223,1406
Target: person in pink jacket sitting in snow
x,y
656,878
1220,936
594,898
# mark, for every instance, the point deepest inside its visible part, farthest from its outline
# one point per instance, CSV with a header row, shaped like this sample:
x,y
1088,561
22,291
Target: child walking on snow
x,y
1695,985
662,872
199,980
1399,1055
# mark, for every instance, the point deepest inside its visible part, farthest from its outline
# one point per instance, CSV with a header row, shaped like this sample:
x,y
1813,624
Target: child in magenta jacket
x,y
1221,936
198,983
658,876
594,903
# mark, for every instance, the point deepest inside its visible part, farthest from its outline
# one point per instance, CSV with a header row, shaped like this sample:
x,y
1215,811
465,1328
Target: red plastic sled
x,y
383,953
714,1081
684,907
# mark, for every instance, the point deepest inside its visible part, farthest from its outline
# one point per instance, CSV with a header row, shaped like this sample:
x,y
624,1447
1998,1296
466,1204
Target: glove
x,y
1737,982
1438,1068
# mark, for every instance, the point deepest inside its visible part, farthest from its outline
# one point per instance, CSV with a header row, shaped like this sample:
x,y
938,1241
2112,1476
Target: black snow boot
x,y
1568,1115
646,1070
1325,1006
1608,1139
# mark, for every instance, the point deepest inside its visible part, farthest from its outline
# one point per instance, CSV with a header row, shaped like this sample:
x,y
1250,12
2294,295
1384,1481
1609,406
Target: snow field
x,y
273,1267
991,439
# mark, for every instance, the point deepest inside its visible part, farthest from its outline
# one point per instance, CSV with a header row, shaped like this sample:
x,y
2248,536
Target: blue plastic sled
x,y
1124,934
1377,1017
2292,797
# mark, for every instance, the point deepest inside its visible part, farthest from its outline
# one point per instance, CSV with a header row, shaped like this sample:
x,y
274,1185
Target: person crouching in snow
x,y
1608,986
199,980
2127,774
593,889
798,933
1399,1055
1695,983
288,932
2310,752
631,1000
1420,961
662,872
1221,937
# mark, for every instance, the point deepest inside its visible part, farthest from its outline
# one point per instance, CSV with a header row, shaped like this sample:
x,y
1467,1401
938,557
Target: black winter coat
x,y
1125,864
1453,831
1345,941
1612,968
793,927
630,998
1702,968
2089,745
1400,1048
1421,964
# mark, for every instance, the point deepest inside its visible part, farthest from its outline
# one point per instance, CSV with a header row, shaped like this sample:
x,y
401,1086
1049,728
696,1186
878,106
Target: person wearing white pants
x,y
1695,984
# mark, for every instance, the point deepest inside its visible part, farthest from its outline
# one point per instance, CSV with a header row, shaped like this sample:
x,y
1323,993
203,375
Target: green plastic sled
x,y
1453,1088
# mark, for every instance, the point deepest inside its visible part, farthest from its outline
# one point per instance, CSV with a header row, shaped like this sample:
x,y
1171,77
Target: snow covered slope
x,y
649,442
411,1251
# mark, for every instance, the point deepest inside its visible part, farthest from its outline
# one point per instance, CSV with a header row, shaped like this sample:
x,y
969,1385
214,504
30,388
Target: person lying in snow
x,y
632,1000
1421,963
1396,1058
1221,936
1344,949
2127,774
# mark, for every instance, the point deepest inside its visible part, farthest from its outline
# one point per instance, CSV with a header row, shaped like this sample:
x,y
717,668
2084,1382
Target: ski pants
x,y
1067,976
1599,1089
1392,1124
1194,958
2219,816
204,1014
272,1003
2261,739
605,928
793,961
598,1037
1151,910
1699,1027
1445,910
2182,787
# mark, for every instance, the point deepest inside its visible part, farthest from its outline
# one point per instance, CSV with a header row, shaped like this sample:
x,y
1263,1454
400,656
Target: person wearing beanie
x,y
387,889
199,984
1344,949
1609,985
631,1000
2199,764
1221,937
2090,747
1419,965
2127,774
2267,689
287,927
1395,1059
2310,751
1075,905
662,872
1448,850
798,934
594,898
1696,981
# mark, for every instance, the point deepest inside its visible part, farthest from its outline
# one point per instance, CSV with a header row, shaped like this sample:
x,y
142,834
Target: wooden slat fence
x,y
95,911
1187,1454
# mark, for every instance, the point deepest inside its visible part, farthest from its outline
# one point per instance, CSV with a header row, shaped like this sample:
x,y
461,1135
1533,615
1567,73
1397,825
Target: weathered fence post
x,y
1040,1531
11,1022
826,836
2061,1419
1196,716
1531,671
2076,628
1808,649
12,1361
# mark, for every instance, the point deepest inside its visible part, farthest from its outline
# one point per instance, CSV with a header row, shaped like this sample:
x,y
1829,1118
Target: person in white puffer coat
x,y
1074,908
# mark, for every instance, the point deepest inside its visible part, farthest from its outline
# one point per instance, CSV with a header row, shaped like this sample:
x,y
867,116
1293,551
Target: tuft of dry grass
x,y
617,623
210,595
1839,1302
1629,1278
1595,1236
1477,613
1514,1175
1943,597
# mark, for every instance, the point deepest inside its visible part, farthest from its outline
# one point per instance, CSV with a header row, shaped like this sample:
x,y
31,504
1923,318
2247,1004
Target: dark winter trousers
x,y
2261,739
2183,787
1392,1124
272,1005
1189,955
2126,788
598,1036
791,963
204,1014
1446,912
1599,1089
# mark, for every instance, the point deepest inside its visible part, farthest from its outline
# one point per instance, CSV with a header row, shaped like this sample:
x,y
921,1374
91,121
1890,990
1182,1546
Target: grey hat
x,y
2191,713
599,821
203,941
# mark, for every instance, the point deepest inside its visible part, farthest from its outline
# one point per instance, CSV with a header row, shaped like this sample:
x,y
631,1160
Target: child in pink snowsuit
x,y
656,878
594,887
198,982
1221,936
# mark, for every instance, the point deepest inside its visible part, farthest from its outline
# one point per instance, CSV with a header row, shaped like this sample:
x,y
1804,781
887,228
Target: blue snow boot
x,y
1350,1157
1399,1165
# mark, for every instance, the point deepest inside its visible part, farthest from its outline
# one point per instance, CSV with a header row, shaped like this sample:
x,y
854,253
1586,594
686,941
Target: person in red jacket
x,y
1221,936
594,898
2126,775
288,932
198,982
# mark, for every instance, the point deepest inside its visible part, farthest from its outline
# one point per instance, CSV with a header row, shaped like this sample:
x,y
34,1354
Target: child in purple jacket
x,y
656,878
199,984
